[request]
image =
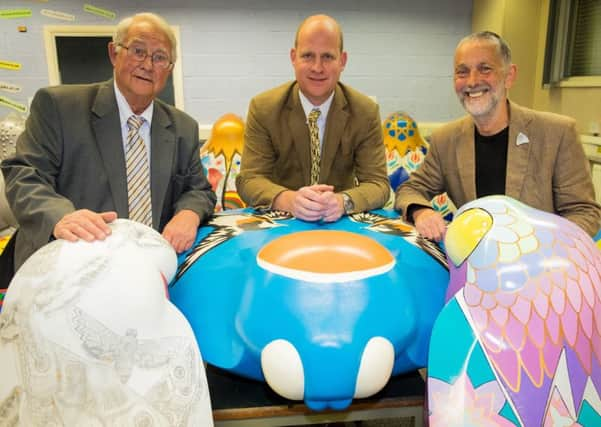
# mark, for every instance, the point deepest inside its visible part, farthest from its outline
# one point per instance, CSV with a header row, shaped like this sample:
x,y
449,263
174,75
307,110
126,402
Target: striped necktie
x,y
138,174
315,146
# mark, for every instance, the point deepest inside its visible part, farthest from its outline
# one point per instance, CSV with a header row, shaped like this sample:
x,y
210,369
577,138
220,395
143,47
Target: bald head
x,y
315,22
318,58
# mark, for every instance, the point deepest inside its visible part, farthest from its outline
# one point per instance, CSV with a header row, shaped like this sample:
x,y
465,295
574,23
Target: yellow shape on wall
x,y
9,87
57,15
99,11
7,65
15,13
13,104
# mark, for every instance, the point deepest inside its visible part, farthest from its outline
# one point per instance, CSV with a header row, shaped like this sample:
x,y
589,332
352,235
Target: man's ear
x,y
343,58
112,48
511,75
292,55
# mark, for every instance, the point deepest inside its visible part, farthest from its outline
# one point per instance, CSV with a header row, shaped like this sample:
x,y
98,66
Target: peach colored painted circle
x,y
325,255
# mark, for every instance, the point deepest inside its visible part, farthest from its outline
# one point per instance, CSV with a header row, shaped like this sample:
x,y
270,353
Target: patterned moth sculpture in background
x,y
405,151
11,127
519,342
221,156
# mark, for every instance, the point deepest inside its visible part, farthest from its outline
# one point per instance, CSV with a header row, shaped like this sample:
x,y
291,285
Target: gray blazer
x,y
550,172
71,157
277,153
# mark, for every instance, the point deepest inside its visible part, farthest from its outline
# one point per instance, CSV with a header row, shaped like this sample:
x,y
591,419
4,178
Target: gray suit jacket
x,y
277,154
71,157
550,172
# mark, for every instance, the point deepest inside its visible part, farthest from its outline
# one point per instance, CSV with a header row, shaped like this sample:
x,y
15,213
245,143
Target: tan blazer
x,y
277,153
549,172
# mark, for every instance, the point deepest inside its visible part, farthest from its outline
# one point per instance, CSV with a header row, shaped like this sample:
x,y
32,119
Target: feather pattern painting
x,y
529,285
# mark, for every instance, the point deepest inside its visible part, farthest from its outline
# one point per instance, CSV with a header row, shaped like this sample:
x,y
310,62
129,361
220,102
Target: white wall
x,y
399,51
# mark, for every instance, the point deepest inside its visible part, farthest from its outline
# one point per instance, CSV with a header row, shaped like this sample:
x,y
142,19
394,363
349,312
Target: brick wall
x,y
399,51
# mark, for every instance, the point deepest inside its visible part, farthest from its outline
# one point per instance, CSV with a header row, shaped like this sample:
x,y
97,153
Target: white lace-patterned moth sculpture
x,y
88,338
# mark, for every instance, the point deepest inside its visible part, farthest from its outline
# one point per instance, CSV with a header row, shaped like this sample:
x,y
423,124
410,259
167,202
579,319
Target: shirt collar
x,y
308,106
125,111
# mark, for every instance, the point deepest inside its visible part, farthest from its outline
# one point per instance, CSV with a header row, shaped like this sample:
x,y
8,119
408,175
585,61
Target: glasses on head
x,y
138,53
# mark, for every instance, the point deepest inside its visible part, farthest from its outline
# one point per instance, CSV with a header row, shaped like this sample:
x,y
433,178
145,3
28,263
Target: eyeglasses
x,y
140,54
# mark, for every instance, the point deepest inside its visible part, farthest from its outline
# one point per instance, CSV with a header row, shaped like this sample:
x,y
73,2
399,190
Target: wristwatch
x,y
348,204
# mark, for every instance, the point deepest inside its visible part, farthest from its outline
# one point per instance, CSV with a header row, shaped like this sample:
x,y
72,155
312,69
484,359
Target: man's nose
x,y
317,65
147,62
473,77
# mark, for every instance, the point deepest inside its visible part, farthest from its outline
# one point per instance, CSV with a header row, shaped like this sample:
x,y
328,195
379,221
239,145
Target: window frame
x,y
561,18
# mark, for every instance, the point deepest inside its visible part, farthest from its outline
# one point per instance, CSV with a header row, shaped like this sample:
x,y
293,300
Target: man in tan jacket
x,y
276,168
499,148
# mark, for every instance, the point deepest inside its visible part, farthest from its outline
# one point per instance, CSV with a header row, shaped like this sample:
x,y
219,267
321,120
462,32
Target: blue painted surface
x,y
236,308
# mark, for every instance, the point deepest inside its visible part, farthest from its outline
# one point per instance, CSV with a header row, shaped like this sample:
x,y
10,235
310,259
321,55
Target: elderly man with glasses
x,y
92,153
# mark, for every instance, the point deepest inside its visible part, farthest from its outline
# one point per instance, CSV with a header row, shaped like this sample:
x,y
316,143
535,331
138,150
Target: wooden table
x,y
242,402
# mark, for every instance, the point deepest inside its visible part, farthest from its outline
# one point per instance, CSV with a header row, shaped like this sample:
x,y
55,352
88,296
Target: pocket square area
x,y
521,139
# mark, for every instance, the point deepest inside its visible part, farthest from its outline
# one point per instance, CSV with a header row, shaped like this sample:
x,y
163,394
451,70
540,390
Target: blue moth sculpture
x,y
323,312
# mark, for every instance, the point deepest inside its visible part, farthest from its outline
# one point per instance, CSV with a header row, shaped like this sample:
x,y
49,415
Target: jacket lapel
x,y
466,158
299,132
107,131
335,124
161,160
518,150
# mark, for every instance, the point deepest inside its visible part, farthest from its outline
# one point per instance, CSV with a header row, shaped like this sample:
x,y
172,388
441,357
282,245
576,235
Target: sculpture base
x,y
238,401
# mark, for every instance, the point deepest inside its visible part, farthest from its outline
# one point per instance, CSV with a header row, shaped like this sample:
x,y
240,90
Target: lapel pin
x,y
521,139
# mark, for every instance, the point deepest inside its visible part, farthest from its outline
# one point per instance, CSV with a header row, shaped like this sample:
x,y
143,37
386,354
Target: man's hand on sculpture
x,y
305,203
181,231
84,224
333,206
429,224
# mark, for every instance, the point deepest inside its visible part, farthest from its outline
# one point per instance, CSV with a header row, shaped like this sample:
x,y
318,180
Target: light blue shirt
x,y
125,113
324,108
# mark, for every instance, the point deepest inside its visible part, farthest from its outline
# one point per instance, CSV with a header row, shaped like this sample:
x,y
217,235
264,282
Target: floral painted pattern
x,y
461,405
